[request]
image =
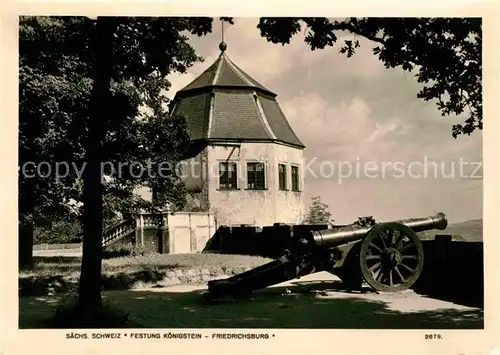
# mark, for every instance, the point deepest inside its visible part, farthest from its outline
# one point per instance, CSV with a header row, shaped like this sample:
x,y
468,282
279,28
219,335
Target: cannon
x,y
388,256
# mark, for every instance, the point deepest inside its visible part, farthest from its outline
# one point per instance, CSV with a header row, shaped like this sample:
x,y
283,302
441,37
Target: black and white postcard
x,y
211,177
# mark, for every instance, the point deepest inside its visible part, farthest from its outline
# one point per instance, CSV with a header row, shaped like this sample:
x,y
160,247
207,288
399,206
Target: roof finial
x,y
222,45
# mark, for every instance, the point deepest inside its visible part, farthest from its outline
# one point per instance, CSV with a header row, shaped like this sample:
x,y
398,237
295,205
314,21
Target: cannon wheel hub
x,y
391,257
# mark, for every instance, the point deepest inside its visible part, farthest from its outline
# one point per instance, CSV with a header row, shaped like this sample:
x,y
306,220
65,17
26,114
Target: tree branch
x,y
357,31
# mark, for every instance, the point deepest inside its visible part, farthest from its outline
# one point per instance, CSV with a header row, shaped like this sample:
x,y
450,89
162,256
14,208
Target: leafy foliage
x,y
82,85
124,250
59,232
367,221
318,213
62,230
55,89
445,54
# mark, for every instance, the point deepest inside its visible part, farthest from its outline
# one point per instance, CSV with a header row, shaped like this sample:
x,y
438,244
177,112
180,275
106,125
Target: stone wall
x,y
50,285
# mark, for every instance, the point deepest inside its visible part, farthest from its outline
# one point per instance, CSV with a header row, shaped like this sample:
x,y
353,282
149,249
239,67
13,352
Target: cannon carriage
x,y
388,256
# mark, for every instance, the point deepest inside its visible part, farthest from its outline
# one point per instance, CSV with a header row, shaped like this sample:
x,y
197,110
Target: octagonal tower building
x,y
246,164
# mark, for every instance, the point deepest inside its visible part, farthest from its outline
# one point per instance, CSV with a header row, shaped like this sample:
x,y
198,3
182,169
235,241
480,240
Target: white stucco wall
x,y
254,207
243,206
189,232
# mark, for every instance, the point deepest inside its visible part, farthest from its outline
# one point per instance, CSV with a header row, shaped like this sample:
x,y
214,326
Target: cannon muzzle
x,y
339,236
390,257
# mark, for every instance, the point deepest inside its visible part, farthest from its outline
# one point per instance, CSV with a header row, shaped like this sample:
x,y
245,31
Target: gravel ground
x,y
314,301
318,284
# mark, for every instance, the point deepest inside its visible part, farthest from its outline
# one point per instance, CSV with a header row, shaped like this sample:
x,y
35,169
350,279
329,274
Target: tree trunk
x,y
26,227
90,278
26,231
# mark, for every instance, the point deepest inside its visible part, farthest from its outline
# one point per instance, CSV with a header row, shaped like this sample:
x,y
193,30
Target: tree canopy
x,y
318,212
82,85
55,90
445,54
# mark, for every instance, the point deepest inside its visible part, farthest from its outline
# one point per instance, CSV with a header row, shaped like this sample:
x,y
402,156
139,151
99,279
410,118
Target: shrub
x,y
35,286
60,231
123,250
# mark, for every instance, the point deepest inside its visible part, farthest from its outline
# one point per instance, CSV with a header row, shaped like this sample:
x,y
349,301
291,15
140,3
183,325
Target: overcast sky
x,y
352,112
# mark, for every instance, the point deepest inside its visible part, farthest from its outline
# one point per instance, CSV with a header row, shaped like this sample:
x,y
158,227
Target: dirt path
x,y
315,301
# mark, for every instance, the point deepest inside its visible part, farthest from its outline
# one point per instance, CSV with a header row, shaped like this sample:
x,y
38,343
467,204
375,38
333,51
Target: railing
x,y
153,220
119,231
143,221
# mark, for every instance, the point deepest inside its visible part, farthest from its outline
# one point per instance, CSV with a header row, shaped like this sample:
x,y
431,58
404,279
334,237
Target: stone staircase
x,y
119,231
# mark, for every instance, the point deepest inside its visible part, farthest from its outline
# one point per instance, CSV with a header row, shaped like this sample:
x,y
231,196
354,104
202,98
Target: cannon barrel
x,y
339,236
390,258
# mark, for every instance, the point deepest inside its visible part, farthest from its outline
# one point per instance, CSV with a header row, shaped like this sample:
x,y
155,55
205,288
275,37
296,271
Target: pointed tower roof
x,y
224,73
225,104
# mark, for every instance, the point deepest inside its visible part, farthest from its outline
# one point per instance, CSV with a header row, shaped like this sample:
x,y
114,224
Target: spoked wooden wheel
x,y
391,257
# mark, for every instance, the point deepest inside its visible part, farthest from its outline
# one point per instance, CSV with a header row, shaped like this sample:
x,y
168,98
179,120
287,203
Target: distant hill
x,y
470,231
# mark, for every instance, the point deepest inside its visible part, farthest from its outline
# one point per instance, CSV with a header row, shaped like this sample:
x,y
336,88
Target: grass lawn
x,y
128,272
70,266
